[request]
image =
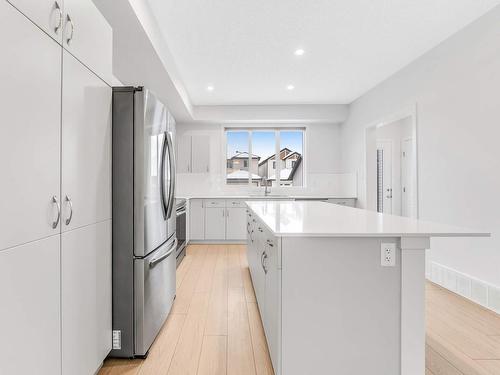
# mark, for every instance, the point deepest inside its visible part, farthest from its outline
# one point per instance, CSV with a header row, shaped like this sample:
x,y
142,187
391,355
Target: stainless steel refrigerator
x,y
144,241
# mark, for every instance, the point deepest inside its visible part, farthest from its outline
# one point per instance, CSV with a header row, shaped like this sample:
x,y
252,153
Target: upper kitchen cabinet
x,y
30,133
193,154
88,36
86,146
46,14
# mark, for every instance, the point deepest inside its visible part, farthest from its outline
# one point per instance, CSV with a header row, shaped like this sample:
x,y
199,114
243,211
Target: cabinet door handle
x,y
264,257
227,212
59,11
68,200
56,222
69,21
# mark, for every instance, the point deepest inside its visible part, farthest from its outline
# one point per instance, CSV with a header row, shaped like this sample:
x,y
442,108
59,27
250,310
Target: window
x,y
292,151
265,155
237,151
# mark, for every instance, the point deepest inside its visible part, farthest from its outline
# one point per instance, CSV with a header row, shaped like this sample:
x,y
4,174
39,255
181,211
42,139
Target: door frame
x,y
404,194
369,168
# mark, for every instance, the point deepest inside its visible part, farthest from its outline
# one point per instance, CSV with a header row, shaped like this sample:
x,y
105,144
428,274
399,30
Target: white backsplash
x,y
329,184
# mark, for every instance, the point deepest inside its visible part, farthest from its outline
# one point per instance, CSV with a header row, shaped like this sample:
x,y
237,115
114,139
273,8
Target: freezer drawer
x,y
154,284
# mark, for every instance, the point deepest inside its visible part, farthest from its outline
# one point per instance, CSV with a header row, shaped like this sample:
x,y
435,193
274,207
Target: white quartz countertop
x,y
262,197
319,219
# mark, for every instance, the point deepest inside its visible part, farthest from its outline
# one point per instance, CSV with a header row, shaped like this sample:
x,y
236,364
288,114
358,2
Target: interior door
x,y
151,166
407,177
30,72
384,176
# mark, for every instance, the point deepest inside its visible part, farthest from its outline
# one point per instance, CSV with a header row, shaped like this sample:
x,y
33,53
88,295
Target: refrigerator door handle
x,y
155,261
172,175
162,177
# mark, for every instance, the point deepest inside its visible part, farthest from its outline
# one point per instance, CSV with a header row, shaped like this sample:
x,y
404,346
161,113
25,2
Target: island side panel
x,y
413,304
341,310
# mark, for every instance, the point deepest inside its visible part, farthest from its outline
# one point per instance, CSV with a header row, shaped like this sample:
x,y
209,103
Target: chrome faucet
x,y
266,185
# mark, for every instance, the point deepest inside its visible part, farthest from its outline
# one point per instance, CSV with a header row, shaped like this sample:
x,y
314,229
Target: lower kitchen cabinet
x,y
236,223
264,260
215,223
30,318
272,298
196,220
86,298
225,219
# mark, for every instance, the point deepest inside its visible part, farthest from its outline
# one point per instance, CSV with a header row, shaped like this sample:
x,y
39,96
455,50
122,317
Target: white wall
x,y
322,163
456,90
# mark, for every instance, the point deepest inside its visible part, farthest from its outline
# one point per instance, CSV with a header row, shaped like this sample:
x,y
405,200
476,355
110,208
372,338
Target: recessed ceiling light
x,y
299,52
210,88
290,87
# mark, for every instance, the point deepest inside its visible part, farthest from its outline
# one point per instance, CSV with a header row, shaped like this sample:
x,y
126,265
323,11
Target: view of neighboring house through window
x,y
265,156
291,151
237,171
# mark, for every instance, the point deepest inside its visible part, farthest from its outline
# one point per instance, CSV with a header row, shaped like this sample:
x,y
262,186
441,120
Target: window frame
x,y
277,131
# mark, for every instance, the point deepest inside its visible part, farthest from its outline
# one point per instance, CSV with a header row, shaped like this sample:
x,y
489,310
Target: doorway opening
x,y
391,166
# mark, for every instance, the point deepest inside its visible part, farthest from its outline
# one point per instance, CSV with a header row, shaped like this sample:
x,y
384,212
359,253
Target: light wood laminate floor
x,y
462,338
215,327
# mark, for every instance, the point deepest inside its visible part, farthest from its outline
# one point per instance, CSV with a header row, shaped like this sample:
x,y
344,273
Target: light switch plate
x,y
388,254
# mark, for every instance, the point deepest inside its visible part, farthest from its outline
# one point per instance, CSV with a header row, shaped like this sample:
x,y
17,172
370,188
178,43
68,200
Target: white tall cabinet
x,y
55,163
46,14
86,145
30,100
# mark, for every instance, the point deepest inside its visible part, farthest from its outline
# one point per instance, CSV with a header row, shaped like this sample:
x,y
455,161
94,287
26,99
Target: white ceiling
x,y
245,48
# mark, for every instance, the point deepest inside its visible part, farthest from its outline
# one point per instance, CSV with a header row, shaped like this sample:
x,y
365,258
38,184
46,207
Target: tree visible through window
x,y
265,156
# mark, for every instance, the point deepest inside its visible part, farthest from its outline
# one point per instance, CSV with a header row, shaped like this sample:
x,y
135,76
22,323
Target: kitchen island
x,y
340,290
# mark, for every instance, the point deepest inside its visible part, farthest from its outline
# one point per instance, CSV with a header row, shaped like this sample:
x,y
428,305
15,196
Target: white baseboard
x,y
478,291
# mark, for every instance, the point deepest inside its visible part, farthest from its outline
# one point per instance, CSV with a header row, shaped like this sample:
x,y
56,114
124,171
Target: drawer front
x,y
208,203
235,203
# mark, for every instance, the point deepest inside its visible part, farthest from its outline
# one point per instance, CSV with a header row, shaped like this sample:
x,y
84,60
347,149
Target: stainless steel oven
x,y
181,229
